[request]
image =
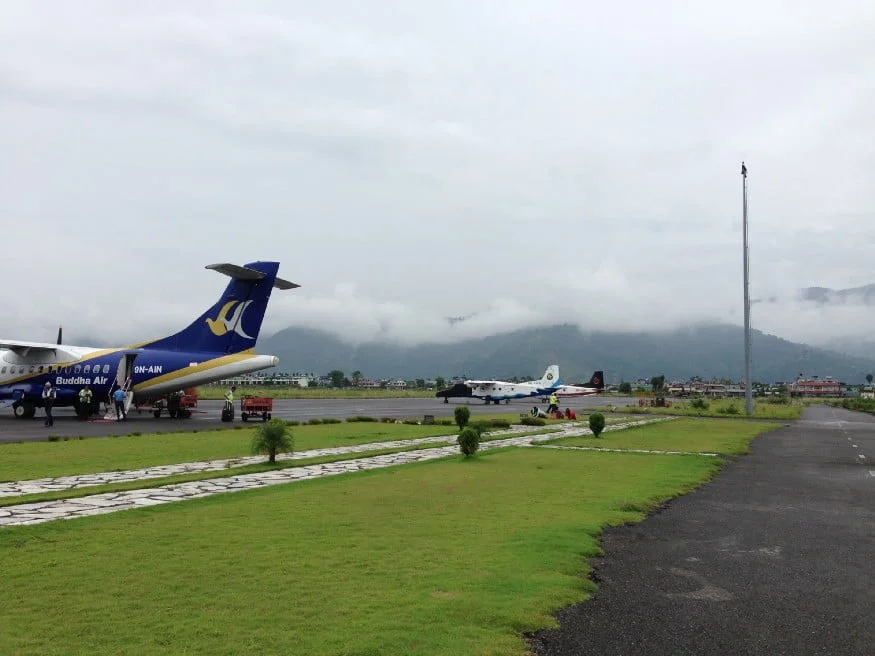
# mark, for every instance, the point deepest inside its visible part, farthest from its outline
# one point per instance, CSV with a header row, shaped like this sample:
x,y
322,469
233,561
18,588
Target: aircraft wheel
x,y
244,416
24,410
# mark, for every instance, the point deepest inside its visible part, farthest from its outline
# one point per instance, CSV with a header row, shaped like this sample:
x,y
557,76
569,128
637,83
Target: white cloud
x,y
521,162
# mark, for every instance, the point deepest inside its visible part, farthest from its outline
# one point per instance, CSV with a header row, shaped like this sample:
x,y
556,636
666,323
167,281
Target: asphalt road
x,y
207,415
776,555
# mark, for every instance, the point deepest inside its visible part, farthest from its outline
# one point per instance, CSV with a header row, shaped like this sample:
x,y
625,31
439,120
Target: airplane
x,y
218,344
496,391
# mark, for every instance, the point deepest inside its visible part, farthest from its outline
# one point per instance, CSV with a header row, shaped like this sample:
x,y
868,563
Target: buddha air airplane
x,y
497,390
218,344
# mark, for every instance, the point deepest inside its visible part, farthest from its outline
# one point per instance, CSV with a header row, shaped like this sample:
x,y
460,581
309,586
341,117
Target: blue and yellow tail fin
x,y
232,324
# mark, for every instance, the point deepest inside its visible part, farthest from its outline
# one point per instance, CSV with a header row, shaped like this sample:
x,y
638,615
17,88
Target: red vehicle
x,y
178,404
255,405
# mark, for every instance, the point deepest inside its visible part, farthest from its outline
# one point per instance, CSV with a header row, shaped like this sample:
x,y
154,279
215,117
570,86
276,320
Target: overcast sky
x,y
528,161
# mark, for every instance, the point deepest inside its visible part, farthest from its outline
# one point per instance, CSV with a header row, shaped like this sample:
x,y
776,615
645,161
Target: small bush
x,y
499,423
331,420
53,438
479,426
730,409
361,418
461,415
469,441
411,422
699,404
596,423
271,437
315,421
292,422
533,421
444,422
387,420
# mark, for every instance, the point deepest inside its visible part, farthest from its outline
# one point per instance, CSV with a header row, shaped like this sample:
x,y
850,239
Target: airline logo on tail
x,y
223,324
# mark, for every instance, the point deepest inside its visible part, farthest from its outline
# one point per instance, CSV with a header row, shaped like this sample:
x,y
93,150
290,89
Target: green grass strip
x,y
691,435
450,557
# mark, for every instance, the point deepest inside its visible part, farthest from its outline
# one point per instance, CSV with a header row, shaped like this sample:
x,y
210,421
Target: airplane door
x,y
125,370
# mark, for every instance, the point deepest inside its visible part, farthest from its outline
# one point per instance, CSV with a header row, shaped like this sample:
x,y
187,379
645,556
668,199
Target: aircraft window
x,y
31,369
3,371
86,369
106,368
76,369
40,369
21,369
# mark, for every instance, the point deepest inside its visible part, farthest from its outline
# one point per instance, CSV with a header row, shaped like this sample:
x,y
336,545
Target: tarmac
x,y
207,415
774,556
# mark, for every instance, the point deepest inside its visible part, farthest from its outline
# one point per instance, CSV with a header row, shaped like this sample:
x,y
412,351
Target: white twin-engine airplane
x,y
497,390
218,344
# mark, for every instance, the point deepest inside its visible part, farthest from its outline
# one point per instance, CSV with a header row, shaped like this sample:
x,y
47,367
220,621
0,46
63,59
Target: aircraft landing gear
x,y
24,410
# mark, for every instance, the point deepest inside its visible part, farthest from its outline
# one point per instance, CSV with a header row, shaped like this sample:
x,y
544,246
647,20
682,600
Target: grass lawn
x,y
445,557
145,483
720,408
696,435
40,459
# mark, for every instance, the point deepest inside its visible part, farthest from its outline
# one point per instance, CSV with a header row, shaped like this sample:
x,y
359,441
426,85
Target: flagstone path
x,y
96,504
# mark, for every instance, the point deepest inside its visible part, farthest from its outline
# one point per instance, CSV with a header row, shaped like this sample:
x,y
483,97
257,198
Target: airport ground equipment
x,y
251,406
177,404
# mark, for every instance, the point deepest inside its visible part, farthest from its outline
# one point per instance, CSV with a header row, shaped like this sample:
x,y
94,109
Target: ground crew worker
x,y
85,402
554,404
119,397
229,396
49,397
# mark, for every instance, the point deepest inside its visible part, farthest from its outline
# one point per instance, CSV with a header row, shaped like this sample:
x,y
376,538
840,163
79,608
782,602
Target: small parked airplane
x,y
496,391
218,344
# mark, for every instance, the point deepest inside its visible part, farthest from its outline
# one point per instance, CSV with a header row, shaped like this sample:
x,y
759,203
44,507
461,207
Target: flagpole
x,y
748,390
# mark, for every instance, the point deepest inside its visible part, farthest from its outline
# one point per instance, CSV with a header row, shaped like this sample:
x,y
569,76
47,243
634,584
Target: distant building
x,y
867,393
816,388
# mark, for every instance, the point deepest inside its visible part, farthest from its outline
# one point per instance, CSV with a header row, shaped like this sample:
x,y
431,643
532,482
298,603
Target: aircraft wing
x,y
24,348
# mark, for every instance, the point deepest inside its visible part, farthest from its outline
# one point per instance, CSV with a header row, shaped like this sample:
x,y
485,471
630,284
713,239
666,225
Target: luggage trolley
x,y
251,406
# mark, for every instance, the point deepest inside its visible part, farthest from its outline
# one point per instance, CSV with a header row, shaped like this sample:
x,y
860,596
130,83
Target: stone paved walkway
x,y
36,513
42,485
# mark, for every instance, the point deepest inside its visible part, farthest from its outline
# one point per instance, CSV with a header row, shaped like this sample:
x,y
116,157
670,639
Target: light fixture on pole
x,y
748,391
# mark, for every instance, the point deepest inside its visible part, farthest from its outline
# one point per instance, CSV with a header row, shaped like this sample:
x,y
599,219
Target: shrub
x,y
596,423
411,422
499,423
469,441
699,404
315,421
271,437
533,421
444,422
479,426
361,418
292,422
461,415
331,420
53,438
730,409
387,420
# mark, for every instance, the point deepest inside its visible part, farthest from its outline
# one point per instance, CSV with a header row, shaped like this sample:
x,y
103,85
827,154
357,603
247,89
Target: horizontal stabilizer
x,y
238,272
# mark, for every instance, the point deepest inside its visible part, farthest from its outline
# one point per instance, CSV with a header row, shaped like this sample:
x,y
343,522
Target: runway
x,y
207,415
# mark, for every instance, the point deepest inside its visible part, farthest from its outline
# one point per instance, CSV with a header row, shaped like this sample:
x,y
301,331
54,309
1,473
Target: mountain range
x,y
708,350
